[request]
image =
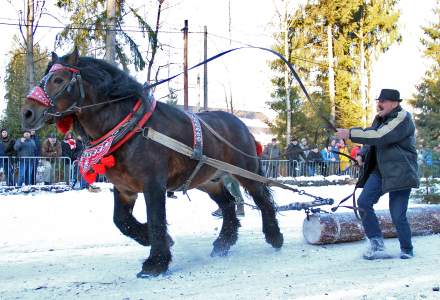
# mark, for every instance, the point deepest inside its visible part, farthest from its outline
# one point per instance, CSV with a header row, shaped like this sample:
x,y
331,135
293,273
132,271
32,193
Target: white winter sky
x,y
245,74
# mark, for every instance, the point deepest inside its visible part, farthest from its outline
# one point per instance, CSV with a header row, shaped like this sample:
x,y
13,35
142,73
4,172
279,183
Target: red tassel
x,y
90,177
65,124
108,161
99,168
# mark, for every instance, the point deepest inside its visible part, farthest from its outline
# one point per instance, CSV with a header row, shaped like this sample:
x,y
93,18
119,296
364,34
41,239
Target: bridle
x,y
40,94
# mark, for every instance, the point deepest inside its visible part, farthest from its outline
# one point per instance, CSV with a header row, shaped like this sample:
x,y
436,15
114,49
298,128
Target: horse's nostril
x,y
28,114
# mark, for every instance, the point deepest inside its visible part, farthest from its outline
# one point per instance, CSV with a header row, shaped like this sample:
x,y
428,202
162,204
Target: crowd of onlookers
x,y
308,160
27,160
302,159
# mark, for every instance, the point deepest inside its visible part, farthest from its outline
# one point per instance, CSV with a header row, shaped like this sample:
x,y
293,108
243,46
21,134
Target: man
x,y
26,148
296,157
8,166
51,149
389,160
272,153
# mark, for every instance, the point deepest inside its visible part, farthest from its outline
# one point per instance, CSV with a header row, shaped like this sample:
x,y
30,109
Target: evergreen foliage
x,y
16,87
374,22
427,98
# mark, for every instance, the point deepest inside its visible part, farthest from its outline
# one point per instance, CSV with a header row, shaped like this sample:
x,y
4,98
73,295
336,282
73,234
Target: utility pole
x,y
29,41
185,65
110,35
286,74
205,69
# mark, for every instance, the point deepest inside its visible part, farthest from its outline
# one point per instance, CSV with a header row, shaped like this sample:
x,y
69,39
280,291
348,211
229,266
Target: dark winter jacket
x,y
295,152
314,156
390,145
272,151
49,150
37,142
9,146
26,148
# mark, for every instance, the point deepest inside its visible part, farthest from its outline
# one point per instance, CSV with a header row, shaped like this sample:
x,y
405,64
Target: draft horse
x,y
102,103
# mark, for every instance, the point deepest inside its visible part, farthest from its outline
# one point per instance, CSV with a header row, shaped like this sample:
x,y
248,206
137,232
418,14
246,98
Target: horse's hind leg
x,y
126,223
262,197
229,232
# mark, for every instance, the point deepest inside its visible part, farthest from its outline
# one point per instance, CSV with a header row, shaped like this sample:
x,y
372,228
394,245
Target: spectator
x,y
68,149
344,161
8,166
296,157
329,160
37,142
355,150
314,159
305,146
25,148
51,149
334,147
259,149
3,161
272,153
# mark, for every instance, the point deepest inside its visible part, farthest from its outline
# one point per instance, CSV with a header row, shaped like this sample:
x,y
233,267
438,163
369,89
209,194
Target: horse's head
x,y
57,94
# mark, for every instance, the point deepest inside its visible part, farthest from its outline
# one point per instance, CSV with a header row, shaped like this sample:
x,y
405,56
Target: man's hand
x,y
22,140
342,133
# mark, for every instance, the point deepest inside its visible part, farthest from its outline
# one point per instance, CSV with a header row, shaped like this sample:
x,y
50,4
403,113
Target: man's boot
x,y
376,250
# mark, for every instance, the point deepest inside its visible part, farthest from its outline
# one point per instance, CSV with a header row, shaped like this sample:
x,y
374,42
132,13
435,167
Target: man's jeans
x,y
398,206
26,174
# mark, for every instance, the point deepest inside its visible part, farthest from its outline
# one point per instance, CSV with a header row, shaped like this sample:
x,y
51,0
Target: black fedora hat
x,y
389,94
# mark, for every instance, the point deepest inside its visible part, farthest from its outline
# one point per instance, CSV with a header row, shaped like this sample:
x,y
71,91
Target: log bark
x,y
322,228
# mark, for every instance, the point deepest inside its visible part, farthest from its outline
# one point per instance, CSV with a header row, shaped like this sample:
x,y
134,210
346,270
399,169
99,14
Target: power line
x,y
124,28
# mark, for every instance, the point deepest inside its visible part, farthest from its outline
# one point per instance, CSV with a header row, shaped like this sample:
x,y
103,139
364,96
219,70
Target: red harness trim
x,y
125,120
98,158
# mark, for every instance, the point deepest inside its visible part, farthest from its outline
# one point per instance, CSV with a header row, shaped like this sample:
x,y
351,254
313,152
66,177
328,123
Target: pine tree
x,y
16,85
427,98
88,27
325,37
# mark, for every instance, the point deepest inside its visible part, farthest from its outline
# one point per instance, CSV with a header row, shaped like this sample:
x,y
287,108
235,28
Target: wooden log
x,y
323,228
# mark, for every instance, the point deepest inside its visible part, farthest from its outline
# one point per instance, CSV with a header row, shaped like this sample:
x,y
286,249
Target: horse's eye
x,y
58,80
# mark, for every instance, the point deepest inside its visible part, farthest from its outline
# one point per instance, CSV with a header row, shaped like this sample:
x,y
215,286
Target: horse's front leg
x,y
160,254
124,220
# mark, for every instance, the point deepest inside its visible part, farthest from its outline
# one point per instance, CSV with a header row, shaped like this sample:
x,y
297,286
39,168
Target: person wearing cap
x,y
296,156
389,163
8,144
25,148
51,148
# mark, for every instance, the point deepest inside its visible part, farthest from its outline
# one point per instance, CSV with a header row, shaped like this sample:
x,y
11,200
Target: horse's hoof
x,y
277,241
219,252
153,267
143,274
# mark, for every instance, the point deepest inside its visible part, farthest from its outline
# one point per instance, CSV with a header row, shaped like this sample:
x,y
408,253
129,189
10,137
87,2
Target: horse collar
x,y
97,155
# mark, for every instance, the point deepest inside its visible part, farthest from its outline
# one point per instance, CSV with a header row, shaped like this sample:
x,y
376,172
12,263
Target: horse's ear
x,y
73,57
54,57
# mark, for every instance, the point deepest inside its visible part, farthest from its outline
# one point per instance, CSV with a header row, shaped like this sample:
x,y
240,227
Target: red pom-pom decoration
x,y
108,161
65,124
99,168
90,177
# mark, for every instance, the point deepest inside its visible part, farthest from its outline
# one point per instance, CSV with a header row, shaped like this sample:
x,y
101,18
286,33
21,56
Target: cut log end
x,y
321,229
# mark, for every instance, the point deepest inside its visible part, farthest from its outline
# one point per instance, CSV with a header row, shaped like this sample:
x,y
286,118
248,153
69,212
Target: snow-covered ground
x,y
65,246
